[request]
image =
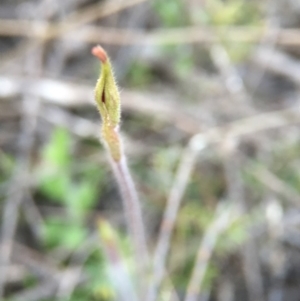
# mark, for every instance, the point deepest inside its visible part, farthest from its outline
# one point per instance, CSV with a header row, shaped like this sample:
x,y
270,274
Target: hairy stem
x,y
132,208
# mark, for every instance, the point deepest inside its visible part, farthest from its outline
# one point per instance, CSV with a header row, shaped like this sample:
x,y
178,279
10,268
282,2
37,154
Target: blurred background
x,y
210,114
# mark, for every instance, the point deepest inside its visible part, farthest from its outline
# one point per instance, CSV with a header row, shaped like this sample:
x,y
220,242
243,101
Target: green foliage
x,y
184,63
81,198
57,152
139,75
164,163
195,216
233,12
170,12
216,13
7,165
233,237
77,193
54,180
99,286
283,164
60,232
193,220
74,188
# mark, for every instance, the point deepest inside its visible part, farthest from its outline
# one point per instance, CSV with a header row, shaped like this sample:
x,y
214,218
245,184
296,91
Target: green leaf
x,y
74,236
64,233
55,186
80,198
57,151
53,172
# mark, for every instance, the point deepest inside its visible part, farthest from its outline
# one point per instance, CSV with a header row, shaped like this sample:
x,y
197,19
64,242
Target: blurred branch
x,y
233,162
44,290
79,126
61,280
117,270
33,216
68,281
216,135
96,11
250,125
71,22
30,107
45,30
275,184
38,264
73,95
232,166
277,62
116,36
85,128
222,219
278,259
187,162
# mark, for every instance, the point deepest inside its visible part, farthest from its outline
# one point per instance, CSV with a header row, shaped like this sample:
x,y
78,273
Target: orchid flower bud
x,y
106,91
108,102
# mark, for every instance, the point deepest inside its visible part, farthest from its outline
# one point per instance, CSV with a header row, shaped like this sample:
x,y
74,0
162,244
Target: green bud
x,y
106,91
108,103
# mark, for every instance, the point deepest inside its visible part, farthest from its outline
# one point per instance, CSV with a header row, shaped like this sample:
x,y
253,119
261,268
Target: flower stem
x,y
109,105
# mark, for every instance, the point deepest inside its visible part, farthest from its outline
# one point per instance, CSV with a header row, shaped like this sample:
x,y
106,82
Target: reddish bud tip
x,y
100,53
